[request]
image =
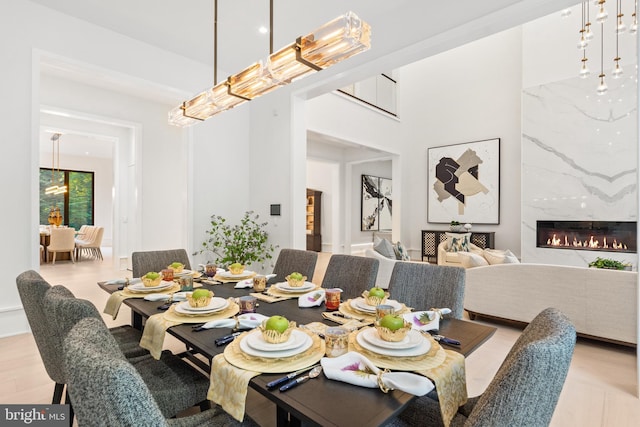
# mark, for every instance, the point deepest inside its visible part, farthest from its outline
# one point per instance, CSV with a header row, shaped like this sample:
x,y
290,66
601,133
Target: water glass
x,y
167,275
186,283
336,341
210,270
332,299
259,283
247,304
384,309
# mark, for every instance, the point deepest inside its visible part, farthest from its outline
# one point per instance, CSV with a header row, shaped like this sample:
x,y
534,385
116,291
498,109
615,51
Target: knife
x,y
286,378
442,338
226,339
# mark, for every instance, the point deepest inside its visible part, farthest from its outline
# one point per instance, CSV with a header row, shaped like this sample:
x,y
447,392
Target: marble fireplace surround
x,y
579,162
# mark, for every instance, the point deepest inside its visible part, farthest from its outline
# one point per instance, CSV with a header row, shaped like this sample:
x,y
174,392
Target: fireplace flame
x,y
592,243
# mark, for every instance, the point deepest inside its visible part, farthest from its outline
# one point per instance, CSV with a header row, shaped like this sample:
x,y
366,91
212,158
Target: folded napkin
x,y
113,304
312,299
244,321
354,368
248,283
122,281
269,298
428,320
178,296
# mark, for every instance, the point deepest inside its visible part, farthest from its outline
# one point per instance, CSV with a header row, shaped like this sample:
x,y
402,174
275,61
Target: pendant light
x,y
54,188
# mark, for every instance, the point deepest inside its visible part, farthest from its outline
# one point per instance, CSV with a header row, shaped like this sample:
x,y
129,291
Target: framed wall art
x,y
464,183
376,204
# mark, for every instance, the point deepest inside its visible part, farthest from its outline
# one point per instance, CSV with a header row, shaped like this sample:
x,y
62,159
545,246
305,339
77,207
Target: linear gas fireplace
x,y
608,236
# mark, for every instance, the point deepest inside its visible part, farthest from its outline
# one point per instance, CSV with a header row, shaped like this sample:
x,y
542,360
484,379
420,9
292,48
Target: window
x,y
76,205
378,92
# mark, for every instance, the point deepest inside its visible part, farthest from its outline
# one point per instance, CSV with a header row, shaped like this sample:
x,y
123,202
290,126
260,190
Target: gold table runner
x,y
156,326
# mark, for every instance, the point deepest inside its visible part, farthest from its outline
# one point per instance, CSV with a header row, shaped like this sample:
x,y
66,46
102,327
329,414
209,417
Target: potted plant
x,y
244,243
456,226
610,264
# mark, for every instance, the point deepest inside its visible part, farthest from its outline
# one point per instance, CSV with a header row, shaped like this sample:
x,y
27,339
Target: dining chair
x,y
91,246
352,274
62,240
294,260
144,262
107,390
423,286
174,384
524,391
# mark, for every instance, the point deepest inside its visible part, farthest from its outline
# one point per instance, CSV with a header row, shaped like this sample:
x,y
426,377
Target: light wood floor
x,y
600,390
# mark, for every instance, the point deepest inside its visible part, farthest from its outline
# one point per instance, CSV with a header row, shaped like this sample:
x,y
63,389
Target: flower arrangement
x,y
610,264
243,243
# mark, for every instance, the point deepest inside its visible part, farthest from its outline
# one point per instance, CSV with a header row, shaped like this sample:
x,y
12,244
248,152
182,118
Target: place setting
x,y
235,273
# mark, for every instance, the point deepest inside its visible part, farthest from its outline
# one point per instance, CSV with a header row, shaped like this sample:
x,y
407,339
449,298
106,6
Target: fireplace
x,y
607,236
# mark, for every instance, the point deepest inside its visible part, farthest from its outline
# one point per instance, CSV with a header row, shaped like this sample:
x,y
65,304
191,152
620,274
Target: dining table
x,y
321,401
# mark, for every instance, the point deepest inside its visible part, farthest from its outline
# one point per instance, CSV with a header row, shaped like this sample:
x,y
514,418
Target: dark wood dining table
x,y
321,401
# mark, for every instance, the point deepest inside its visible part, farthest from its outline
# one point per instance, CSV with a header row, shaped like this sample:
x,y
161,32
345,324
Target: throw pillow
x,y
496,256
401,252
385,248
458,242
470,259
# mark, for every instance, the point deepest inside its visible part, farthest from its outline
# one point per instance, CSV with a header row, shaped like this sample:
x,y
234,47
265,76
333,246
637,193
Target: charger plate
x,y
127,293
234,355
347,307
274,291
172,316
432,359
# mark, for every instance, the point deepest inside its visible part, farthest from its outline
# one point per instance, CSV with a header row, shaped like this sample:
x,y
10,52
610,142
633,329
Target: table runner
x,y
446,368
156,326
232,371
268,298
112,307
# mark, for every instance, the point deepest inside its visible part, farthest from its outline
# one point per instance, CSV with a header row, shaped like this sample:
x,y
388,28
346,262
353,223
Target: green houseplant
x,y
245,243
609,263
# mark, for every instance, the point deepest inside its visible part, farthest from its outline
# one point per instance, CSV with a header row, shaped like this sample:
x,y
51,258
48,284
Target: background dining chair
x,y
91,246
352,274
62,240
144,262
524,391
423,286
108,391
174,384
290,260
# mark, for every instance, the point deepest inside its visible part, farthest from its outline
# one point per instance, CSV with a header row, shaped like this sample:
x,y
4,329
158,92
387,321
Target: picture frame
x,y
376,205
463,183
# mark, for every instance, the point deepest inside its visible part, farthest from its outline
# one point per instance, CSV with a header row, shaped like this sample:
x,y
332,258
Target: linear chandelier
x,y
335,41
54,188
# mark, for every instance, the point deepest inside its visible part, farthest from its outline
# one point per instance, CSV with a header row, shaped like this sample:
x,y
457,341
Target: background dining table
x,y
321,401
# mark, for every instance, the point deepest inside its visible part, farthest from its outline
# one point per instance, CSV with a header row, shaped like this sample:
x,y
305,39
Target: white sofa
x,y
451,258
385,267
601,303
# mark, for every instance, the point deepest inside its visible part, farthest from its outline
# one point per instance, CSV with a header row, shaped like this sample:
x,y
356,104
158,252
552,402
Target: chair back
x,y
106,390
32,289
424,286
526,388
291,260
352,274
62,240
144,262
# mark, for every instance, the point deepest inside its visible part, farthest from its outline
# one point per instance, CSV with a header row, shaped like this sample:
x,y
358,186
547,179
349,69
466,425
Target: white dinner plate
x,y
413,339
297,339
186,272
216,304
285,287
361,305
418,350
228,275
245,347
139,287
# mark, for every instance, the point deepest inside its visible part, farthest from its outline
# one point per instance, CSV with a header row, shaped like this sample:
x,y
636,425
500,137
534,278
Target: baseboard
x,y
13,321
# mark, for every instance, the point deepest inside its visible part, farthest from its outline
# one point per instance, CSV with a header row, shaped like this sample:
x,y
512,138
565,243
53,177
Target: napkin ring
x,y
383,387
437,311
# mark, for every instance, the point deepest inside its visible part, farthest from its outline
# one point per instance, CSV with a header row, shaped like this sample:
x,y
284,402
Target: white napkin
x,y
248,283
428,320
178,296
245,321
312,299
122,281
354,368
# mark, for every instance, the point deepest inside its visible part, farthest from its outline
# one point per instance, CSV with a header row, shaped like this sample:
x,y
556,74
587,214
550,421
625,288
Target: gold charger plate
x,y
230,311
223,279
132,294
234,355
346,308
432,359
273,291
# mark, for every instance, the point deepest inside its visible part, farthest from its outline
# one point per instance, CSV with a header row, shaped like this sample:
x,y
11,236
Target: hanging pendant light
x,y
54,188
634,21
602,87
602,12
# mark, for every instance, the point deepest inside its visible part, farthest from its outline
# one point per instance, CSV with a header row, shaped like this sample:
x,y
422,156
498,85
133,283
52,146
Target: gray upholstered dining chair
x,y
144,262
107,390
290,260
352,274
525,390
174,384
423,286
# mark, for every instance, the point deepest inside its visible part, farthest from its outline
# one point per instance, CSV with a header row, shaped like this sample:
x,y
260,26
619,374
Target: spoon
x,y
312,374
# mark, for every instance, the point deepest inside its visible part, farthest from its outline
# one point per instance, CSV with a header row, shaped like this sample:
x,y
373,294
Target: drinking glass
x,y
167,275
259,283
247,304
186,283
384,309
210,270
336,341
332,299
